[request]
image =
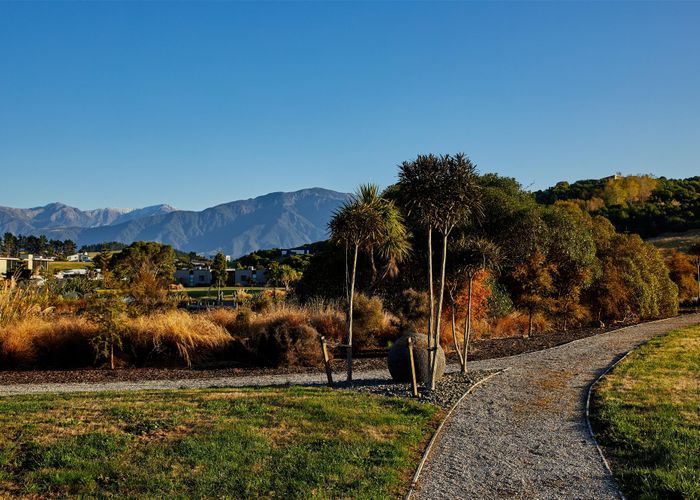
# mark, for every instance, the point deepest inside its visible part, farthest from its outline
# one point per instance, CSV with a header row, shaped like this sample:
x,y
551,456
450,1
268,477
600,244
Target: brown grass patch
x,y
188,336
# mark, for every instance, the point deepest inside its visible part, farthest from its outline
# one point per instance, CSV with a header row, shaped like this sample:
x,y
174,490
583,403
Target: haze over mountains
x,y
236,228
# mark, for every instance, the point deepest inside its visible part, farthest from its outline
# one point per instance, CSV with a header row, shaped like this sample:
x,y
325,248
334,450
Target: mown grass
x,y
647,414
57,265
234,443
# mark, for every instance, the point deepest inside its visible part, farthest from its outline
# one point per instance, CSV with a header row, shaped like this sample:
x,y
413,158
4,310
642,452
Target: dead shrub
x,y
286,339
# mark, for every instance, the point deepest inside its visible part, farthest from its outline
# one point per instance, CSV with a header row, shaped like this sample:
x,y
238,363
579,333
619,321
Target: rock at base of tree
x,y
399,361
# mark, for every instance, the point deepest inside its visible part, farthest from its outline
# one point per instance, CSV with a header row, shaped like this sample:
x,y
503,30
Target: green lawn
x,y
647,416
56,266
282,442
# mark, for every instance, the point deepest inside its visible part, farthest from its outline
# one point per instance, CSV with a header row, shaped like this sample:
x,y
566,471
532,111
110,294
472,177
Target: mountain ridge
x,y
278,219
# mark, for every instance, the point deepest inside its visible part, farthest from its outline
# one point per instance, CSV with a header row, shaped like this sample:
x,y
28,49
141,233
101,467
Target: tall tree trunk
x,y
432,298
454,336
350,307
438,313
347,275
111,355
373,267
467,324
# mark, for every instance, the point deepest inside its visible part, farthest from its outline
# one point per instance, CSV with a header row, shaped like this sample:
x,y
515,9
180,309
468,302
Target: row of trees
x,y
12,246
556,261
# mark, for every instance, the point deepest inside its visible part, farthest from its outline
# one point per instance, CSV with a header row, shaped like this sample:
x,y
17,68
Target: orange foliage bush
x,y
480,296
515,324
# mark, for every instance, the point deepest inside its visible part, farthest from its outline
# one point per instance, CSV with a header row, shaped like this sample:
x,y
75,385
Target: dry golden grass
x,y
223,317
668,242
19,302
515,324
35,340
281,335
188,334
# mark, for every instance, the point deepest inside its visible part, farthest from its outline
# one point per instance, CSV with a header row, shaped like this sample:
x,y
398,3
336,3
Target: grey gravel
x,y
523,433
234,381
448,391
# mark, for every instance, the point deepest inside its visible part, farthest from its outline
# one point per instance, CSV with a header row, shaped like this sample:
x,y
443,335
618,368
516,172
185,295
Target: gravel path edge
x,y
436,434
588,417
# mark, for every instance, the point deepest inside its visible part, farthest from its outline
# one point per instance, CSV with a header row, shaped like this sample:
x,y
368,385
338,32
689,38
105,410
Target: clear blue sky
x,y
195,104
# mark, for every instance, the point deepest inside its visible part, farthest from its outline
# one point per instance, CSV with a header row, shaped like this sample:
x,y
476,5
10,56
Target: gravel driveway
x,y
523,434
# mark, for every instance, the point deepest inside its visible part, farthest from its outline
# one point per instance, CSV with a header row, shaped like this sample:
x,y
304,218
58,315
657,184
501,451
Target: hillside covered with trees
x,y
641,204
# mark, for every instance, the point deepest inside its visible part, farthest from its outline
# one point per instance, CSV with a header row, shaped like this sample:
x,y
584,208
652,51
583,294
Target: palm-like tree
x,y
369,223
391,242
440,193
470,256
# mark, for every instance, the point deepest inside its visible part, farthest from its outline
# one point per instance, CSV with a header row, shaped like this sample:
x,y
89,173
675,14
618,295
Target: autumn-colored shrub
x,y
330,323
683,273
515,324
481,291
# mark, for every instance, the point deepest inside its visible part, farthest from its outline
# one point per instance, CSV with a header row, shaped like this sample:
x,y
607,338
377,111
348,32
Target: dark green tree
x,y
219,273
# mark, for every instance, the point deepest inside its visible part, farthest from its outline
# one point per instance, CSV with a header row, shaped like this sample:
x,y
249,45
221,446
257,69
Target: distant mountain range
x,y
236,228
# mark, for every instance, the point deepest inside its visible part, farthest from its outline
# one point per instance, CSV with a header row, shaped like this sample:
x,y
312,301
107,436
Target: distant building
x,y
302,250
248,277
79,257
74,273
11,265
236,277
194,277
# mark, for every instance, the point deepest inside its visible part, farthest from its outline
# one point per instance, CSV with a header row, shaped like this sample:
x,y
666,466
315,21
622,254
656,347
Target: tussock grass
x,y
20,302
280,335
49,342
647,413
190,336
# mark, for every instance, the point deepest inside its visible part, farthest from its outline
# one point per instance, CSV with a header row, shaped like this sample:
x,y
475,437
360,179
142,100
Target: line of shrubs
x,y
278,335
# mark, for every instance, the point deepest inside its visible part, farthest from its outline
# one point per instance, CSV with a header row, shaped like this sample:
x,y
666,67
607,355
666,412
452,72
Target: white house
x,y
79,257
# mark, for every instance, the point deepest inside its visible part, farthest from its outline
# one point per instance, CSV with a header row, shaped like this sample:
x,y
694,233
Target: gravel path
x,y
523,434
235,381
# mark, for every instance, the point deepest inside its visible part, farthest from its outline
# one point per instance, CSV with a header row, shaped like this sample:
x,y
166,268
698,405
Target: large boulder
x,y
399,361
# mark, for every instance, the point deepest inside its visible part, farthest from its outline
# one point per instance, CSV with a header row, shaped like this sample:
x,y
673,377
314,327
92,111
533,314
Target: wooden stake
x,y
326,361
414,386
